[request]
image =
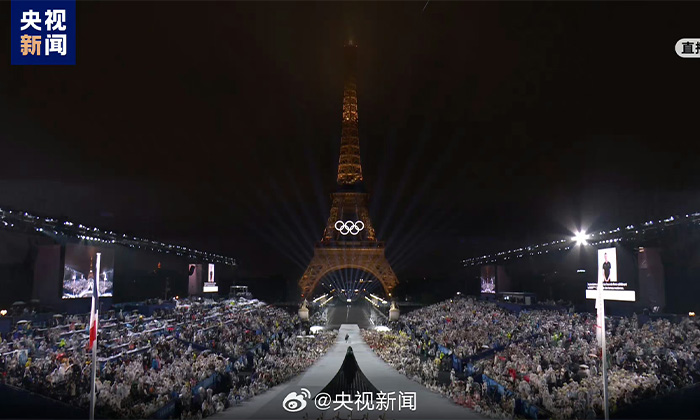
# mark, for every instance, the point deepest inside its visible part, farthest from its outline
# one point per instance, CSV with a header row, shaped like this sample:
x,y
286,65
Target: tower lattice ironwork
x,y
349,240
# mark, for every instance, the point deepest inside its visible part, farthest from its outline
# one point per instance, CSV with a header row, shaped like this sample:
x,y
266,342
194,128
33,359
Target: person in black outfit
x,y
346,337
606,268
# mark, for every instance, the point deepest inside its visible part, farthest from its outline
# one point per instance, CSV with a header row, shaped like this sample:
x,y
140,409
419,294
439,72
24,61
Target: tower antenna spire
x,y
349,165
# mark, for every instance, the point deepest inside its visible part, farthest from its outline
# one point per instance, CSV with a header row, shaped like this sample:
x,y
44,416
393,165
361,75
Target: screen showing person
x,y
607,265
613,287
79,271
210,285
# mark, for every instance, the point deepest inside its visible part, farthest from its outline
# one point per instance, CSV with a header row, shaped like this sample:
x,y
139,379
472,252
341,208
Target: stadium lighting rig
x,y
628,233
24,222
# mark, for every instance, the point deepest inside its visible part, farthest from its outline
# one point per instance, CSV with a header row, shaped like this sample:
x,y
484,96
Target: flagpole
x,y
95,314
605,370
600,304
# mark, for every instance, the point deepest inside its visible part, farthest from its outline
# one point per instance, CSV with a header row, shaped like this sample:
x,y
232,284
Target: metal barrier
x,y
167,411
208,382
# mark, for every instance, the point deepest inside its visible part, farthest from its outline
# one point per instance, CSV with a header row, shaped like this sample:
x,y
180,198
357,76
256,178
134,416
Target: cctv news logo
x,y
365,401
42,32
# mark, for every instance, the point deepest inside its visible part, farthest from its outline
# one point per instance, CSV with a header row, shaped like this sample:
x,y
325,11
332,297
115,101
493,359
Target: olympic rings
x,y
349,227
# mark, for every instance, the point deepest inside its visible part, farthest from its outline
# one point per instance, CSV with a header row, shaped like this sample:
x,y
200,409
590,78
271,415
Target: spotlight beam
x,y
301,233
412,160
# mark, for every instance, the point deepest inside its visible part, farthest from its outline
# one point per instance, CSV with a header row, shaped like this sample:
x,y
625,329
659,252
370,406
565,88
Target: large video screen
x,y
488,279
79,270
195,279
210,285
613,288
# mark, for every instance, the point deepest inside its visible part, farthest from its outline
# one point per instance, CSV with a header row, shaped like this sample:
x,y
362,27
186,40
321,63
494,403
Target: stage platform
x,y
428,405
356,314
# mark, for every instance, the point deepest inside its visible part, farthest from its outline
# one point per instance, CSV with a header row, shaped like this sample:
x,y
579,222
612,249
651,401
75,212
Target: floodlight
x,y
580,238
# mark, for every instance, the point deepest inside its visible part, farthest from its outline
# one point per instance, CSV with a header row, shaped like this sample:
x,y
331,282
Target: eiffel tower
x,y
349,240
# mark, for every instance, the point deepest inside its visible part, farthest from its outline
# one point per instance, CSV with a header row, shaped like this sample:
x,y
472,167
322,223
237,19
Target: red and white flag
x,y
93,311
93,325
92,342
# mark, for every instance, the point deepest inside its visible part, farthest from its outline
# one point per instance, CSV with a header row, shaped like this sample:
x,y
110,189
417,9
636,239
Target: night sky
x,y
482,125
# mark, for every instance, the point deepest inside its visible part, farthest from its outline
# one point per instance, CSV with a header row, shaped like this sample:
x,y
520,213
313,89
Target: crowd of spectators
x,y
146,363
319,317
546,358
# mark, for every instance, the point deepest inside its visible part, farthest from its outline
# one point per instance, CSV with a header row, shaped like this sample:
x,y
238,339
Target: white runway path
x,y
429,405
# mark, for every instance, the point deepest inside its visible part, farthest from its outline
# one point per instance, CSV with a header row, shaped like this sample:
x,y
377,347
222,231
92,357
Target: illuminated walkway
x,y
429,405
358,313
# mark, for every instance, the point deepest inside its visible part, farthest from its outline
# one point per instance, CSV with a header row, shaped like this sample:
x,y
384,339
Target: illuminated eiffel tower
x,y
349,241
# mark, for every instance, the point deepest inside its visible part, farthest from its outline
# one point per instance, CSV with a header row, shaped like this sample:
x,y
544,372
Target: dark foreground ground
x,y
682,404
